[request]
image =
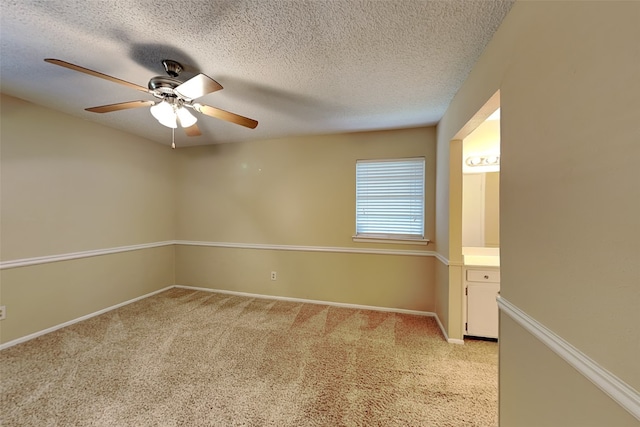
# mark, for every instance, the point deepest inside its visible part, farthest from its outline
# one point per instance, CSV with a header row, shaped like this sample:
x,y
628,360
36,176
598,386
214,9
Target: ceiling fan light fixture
x,y
186,118
172,96
164,113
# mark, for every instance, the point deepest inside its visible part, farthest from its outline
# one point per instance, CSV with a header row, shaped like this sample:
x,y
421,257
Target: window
x,y
390,199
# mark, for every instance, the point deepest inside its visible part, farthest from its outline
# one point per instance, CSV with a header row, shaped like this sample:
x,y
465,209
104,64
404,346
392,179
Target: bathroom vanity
x,y
481,281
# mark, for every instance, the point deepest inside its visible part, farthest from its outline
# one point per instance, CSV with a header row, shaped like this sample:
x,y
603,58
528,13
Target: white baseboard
x,y
312,301
333,304
446,336
244,294
621,392
79,319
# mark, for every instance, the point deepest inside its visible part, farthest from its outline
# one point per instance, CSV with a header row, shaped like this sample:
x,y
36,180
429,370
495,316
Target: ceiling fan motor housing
x,y
163,85
173,68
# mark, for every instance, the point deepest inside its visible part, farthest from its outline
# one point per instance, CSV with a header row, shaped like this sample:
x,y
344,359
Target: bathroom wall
x,y
481,210
492,210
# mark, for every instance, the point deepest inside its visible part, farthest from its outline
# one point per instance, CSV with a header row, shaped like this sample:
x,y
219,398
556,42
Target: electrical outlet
x,y
274,275
3,312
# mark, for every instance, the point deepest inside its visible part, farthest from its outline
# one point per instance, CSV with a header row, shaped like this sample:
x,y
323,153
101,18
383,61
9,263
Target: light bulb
x,y
163,112
186,118
492,160
474,161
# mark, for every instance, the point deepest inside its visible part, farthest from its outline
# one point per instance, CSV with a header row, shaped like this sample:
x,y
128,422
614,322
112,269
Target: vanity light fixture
x,y
492,160
489,160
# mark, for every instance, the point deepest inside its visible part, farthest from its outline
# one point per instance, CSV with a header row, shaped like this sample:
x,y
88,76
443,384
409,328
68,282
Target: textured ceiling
x,y
298,67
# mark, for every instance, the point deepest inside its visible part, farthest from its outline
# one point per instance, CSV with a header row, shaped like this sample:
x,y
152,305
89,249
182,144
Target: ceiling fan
x,y
175,97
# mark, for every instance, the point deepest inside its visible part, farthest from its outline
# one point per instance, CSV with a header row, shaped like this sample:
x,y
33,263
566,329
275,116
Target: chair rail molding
x,y
77,255
334,249
621,392
24,262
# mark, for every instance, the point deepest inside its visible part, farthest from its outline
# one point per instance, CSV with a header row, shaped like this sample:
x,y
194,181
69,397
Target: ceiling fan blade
x,y
198,86
192,131
121,106
96,74
225,115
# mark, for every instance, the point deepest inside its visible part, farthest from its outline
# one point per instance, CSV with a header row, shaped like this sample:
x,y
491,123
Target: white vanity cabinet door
x,y
482,309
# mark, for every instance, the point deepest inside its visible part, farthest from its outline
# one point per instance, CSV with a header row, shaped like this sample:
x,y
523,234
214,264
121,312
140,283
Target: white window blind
x,y
390,198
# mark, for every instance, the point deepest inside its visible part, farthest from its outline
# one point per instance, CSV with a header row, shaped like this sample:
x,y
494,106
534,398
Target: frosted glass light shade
x,y
186,118
163,112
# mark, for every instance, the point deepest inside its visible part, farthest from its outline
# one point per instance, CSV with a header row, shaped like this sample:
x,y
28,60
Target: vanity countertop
x,y
481,257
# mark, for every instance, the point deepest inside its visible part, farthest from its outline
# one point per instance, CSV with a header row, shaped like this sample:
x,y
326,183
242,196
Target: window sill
x,y
390,240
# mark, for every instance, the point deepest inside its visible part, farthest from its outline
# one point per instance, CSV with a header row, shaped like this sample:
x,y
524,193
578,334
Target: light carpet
x,y
195,358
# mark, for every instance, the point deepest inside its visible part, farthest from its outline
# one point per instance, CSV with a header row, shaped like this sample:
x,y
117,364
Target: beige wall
x,y
42,296
300,192
570,97
443,159
69,185
295,191
404,282
442,293
530,395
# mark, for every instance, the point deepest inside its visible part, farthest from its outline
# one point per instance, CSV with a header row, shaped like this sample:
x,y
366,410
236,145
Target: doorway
x,y
459,261
481,229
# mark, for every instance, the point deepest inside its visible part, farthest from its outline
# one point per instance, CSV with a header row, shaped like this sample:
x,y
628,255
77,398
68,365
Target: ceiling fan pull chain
x,y
173,138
